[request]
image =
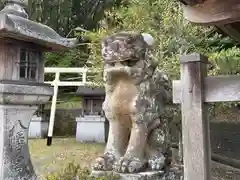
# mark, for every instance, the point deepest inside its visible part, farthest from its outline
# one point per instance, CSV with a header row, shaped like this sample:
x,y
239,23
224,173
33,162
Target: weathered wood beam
x,y
195,126
231,31
218,158
213,12
217,89
225,160
191,2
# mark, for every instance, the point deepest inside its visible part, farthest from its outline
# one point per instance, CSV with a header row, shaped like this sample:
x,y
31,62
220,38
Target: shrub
x,y
75,172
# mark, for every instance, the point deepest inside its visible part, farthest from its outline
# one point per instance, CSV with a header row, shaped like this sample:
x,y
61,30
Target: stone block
x,y
14,153
18,103
172,174
155,175
90,129
38,128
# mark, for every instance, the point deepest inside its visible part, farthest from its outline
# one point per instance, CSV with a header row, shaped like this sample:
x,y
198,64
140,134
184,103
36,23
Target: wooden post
x,y
192,91
195,127
53,109
84,77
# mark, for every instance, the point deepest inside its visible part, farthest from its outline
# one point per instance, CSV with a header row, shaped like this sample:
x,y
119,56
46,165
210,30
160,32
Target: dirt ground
x,y
223,172
63,151
47,159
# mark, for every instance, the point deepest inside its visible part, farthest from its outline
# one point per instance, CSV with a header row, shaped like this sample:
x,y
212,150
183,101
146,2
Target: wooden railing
x,y
193,91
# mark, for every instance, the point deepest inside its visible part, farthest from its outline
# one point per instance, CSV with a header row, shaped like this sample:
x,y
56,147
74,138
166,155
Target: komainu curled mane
x,y
136,93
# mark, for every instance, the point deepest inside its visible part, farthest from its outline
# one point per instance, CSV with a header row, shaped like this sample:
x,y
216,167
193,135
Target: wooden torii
x,y
195,88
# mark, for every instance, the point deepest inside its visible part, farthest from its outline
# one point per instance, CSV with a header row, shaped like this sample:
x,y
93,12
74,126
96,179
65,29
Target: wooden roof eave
x,y
223,14
213,12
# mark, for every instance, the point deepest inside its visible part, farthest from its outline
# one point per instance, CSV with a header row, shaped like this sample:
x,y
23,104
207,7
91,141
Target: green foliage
x,y
226,61
163,19
65,15
174,36
74,171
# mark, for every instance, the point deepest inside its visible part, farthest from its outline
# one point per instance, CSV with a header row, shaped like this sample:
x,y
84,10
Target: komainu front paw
x,y
157,163
130,165
105,162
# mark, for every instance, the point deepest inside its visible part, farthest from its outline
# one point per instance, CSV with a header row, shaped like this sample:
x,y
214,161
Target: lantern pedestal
x,y
15,158
18,103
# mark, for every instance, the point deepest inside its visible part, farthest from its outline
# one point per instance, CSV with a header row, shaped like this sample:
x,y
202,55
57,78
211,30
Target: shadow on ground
x,y
225,139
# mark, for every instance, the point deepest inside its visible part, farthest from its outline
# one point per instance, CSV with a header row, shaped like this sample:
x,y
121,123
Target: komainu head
x,y
125,46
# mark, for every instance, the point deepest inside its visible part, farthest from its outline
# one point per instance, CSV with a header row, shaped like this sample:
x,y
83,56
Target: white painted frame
x,y
56,83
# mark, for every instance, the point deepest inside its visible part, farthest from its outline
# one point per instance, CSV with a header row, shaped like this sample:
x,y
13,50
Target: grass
x,y
63,151
55,158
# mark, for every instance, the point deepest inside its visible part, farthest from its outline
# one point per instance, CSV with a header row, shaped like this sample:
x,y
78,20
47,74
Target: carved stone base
x,y
18,102
172,174
14,154
156,175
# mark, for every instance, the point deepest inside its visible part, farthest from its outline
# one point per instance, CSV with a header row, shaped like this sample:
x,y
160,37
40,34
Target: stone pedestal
x,y
90,129
18,103
38,127
171,174
15,158
138,176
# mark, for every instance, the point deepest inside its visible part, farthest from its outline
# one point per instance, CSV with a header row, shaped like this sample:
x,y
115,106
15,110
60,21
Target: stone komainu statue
x,y
136,93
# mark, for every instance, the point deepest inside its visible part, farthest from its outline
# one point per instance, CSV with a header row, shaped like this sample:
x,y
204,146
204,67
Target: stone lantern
x,y
22,46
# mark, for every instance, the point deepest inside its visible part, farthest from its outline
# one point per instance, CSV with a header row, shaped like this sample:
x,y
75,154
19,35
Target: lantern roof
x,y
14,24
